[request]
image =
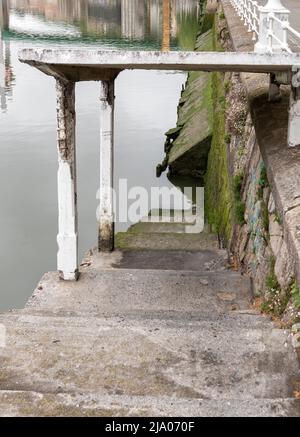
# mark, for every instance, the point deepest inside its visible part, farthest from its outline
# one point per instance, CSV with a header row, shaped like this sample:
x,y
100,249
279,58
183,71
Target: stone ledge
x,y
270,121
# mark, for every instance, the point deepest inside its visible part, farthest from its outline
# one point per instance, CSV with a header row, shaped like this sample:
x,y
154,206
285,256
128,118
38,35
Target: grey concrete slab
x,y
206,260
115,291
91,64
146,358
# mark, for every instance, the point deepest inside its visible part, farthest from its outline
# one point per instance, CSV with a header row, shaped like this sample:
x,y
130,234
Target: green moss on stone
x,y
219,198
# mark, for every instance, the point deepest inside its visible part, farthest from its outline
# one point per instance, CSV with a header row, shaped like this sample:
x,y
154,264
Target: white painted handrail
x,y
269,24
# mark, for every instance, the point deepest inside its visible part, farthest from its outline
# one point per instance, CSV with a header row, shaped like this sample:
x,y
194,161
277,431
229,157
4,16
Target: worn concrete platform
x,y
122,291
146,342
117,356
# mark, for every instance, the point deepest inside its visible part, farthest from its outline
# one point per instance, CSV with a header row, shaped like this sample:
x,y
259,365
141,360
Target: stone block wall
x,y
265,176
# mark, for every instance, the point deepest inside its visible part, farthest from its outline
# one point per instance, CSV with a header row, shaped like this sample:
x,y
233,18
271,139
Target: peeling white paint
x,y
67,239
106,212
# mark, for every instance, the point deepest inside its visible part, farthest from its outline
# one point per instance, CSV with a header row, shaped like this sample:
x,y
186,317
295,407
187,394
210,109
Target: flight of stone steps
x,y
161,331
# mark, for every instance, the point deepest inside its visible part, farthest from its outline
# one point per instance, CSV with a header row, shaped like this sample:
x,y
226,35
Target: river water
x,y
146,104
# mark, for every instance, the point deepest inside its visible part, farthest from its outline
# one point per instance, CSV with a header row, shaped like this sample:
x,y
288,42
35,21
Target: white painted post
x,y
106,211
67,239
294,112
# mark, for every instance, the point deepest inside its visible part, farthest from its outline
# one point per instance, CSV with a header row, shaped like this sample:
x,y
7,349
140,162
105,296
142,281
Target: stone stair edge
x,y
62,404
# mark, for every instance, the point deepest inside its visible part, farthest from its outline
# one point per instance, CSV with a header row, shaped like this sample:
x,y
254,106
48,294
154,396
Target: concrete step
x,y
205,260
201,261
157,358
170,216
166,241
128,291
158,228
32,404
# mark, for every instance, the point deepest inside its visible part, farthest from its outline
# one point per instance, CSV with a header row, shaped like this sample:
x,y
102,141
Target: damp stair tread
x,y
140,358
35,404
126,290
166,241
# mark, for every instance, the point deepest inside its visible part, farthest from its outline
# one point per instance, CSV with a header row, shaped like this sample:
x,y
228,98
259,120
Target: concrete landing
x,y
123,291
146,342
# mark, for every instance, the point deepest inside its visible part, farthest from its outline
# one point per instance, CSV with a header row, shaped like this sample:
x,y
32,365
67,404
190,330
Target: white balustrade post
x,y
67,238
294,112
280,12
106,211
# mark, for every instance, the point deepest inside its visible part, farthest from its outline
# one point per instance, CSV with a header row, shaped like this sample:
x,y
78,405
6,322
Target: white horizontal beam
x,y
64,61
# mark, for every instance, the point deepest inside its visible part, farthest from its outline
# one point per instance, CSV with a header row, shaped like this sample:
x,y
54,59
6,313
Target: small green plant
x,y
222,15
240,121
222,102
239,205
239,210
277,218
295,292
227,138
237,184
227,86
263,180
275,301
262,183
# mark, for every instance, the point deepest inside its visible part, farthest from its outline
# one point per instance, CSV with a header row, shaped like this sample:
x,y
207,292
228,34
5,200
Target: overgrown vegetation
x,y
219,198
239,205
295,293
227,86
227,138
275,300
277,218
262,183
265,217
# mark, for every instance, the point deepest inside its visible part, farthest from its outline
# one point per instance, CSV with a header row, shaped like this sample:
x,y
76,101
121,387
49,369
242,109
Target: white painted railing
x,y
269,24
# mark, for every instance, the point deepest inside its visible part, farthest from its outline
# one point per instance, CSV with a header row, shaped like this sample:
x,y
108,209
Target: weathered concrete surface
x,y
166,241
124,291
124,342
116,356
201,261
205,260
90,64
14,404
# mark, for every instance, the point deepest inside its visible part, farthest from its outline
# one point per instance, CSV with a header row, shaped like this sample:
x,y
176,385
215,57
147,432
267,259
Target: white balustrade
x,y
269,24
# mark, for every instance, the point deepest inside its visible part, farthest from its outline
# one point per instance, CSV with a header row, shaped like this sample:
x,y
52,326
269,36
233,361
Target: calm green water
x,y
146,106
